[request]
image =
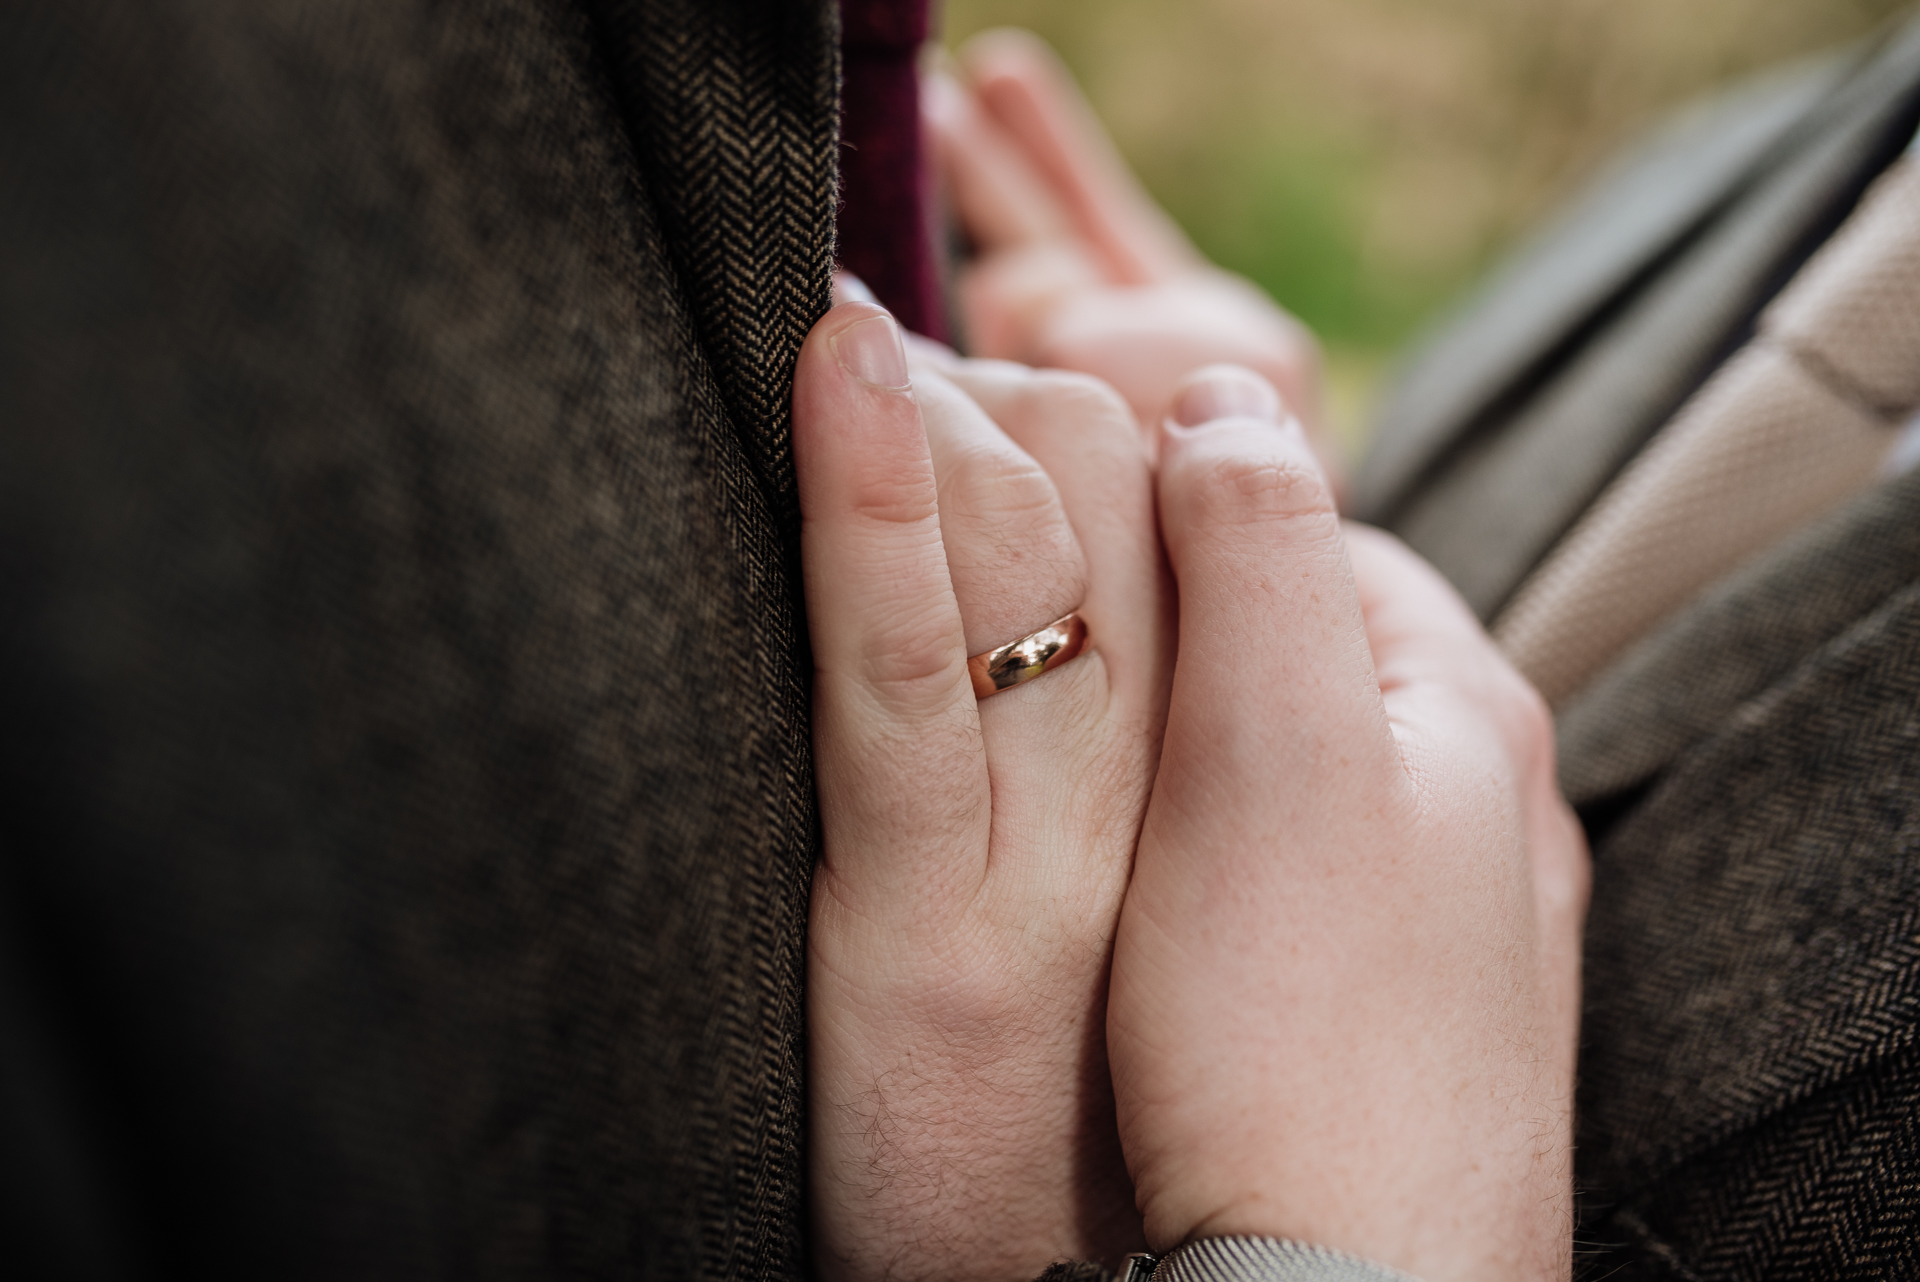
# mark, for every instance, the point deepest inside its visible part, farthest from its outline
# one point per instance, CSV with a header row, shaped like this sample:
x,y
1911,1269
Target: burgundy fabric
x,y
886,212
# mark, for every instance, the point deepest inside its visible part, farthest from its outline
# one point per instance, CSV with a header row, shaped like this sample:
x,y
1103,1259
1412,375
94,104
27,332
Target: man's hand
x,y
1346,986
1077,267
975,852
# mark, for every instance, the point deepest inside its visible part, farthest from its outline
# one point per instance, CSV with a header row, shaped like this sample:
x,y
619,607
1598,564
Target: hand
x,y
975,853
1077,267
1345,990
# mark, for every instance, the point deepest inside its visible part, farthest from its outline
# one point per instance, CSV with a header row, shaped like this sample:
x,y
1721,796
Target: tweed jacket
x,y
407,816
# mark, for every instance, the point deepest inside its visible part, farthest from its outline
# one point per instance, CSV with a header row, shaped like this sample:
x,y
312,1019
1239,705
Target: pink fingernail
x,y
1225,393
872,352
848,288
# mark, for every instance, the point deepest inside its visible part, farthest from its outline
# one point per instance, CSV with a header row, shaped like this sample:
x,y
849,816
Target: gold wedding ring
x,y
1027,658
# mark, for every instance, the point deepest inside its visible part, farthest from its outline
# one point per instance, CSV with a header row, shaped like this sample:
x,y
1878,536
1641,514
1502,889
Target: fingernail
x,y
848,288
871,351
942,100
1224,393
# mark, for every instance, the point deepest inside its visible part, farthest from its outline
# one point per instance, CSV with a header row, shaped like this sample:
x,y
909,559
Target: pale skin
x,y
1340,1004
976,853
1262,917
1345,990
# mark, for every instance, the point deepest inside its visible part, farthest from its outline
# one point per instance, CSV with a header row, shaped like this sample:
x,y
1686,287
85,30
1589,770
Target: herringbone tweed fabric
x,y
1740,639
733,108
1748,1069
407,812
1075,1271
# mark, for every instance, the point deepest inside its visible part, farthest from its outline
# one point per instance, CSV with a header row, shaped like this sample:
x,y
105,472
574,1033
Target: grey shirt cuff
x,y
1267,1259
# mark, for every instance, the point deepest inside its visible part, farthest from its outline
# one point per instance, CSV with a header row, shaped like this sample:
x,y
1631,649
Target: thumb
x,y
903,783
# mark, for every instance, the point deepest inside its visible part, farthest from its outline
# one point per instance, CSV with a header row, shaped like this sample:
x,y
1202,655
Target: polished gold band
x,y
1027,658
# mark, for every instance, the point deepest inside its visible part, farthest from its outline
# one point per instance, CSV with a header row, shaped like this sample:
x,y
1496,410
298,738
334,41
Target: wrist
x,y
1217,1195
1267,1259
1440,1232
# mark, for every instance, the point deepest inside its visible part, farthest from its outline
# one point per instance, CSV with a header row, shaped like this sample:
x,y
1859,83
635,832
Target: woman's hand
x,y
1077,267
1345,991
976,852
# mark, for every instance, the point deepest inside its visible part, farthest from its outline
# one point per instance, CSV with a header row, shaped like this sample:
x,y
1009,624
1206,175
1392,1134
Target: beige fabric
x,y
1797,421
1854,311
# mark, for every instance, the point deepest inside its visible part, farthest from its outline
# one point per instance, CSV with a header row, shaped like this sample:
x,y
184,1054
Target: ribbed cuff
x,y
1267,1259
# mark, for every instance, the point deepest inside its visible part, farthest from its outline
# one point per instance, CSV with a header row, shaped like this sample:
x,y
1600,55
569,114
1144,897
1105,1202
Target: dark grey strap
x,y
1267,1259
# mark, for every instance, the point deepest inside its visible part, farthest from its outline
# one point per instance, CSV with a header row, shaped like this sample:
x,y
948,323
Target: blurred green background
x,y
1365,159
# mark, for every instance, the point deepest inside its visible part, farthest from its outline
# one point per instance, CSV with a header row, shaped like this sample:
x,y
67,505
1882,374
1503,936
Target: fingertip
x,y
1001,198
880,601
1007,51
852,395
858,336
1240,473
944,102
1272,648
1022,82
1224,391
1236,400
1251,532
849,288
869,348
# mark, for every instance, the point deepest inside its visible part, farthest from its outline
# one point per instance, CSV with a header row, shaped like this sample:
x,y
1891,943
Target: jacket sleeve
x,y
1238,1259
1266,1259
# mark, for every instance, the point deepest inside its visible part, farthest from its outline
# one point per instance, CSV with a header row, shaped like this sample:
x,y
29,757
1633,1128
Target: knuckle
x,y
1524,717
893,499
1237,490
1000,486
1563,869
1001,515
915,667
1070,389
1060,398
1010,549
